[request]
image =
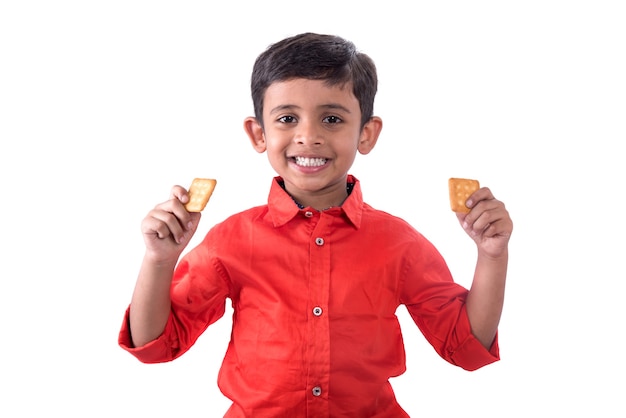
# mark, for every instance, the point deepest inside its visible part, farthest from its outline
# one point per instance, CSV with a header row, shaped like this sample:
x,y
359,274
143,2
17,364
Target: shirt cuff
x,y
470,354
156,351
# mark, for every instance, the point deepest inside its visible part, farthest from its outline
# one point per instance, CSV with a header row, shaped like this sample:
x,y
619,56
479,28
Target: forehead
x,y
303,93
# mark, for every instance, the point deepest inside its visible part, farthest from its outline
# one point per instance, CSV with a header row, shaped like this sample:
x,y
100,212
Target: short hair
x,y
316,57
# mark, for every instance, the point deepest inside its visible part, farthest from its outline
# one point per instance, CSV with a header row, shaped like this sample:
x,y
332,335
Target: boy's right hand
x,y
168,228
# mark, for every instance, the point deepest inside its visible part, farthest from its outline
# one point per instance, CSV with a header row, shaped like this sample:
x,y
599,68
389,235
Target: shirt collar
x,y
282,208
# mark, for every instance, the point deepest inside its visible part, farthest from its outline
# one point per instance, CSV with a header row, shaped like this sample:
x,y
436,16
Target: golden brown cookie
x,y
460,191
200,192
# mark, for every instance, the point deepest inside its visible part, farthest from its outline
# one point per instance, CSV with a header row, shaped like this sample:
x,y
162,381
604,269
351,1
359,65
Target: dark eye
x,y
287,119
332,119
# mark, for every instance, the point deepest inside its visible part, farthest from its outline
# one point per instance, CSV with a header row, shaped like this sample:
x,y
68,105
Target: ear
x,y
255,132
369,135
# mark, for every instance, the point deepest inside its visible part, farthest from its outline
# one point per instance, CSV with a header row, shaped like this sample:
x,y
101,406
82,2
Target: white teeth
x,y
310,162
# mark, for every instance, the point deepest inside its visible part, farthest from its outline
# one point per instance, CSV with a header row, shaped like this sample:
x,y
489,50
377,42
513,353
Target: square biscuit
x,y
460,190
200,192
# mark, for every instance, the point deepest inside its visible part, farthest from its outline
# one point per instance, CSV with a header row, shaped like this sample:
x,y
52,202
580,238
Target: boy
x,y
314,276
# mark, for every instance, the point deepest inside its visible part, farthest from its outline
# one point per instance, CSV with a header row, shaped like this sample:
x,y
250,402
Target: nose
x,y
308,133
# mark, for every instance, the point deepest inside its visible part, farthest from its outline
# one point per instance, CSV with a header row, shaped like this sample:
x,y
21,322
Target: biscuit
x,y
460,191
200,192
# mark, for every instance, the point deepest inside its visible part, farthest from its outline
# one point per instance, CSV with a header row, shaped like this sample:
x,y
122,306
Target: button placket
x,y
318,333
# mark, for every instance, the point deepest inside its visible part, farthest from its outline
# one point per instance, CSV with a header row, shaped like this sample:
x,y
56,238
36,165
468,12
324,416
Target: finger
x,y
176,206
170,218
484,193
495,229
482,215
163,225
493,220
179,193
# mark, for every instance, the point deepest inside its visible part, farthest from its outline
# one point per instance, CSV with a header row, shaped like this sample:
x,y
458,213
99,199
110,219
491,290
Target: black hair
x,y
316,57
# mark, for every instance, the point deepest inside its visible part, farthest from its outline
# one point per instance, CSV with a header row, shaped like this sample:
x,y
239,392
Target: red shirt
x,y
314,297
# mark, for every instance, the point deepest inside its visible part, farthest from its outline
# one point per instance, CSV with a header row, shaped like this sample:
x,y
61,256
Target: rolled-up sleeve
x,y
198,296
437,306
164,348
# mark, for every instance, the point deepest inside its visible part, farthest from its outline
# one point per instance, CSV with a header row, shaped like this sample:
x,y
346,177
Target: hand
x,y
168,228
488,223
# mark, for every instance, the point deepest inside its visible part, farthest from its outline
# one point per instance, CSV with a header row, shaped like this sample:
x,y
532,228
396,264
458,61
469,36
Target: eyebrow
x,y
329,106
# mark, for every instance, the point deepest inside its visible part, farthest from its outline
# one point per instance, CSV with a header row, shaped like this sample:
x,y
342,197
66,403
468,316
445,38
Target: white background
x,y
105,105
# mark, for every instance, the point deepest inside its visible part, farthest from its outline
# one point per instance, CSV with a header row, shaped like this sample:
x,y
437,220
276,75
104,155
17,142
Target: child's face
x,y
311,134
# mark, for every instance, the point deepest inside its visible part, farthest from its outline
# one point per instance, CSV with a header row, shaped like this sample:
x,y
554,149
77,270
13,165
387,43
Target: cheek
x,y
348,148
276,152
273,146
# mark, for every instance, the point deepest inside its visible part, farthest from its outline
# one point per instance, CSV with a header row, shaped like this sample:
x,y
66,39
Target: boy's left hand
x,y
488,223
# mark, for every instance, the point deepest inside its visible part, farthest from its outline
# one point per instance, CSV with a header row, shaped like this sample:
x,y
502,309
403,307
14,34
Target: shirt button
x,y
317,311
319,241
317,391
308,214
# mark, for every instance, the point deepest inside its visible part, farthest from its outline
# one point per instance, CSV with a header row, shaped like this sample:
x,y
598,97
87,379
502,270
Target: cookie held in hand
x,y
200,192
460,191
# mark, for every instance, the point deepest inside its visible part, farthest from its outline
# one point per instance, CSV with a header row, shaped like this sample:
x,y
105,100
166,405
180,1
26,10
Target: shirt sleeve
x,y
437,306
156,351
198,294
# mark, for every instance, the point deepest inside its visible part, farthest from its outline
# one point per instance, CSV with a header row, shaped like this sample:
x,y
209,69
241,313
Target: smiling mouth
x,y
310,162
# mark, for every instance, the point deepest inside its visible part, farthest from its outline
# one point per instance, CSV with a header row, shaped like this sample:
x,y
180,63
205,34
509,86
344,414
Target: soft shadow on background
x,y
105,105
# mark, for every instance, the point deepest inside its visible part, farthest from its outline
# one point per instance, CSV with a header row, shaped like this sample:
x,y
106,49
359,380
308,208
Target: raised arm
x,y
490,226
167,229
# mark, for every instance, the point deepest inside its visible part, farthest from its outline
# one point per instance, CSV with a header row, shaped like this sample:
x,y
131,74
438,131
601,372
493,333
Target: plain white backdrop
x,y
105,105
